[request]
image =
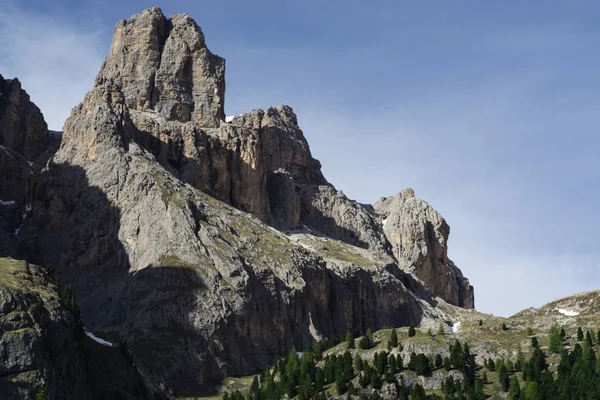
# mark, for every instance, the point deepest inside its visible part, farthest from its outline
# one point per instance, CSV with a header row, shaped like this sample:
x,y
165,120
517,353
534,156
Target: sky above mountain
x,y
489,110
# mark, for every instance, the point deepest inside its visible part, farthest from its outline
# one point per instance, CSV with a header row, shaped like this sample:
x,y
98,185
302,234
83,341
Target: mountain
x,y
198,246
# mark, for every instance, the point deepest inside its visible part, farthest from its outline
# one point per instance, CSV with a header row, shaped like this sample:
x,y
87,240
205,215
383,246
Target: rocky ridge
x,y
213,247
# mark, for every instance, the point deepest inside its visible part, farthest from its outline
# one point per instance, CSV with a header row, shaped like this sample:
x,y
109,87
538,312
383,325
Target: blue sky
x,y
489,110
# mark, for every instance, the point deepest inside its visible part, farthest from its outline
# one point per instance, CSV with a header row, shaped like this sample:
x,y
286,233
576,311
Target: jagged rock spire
x,y
164,65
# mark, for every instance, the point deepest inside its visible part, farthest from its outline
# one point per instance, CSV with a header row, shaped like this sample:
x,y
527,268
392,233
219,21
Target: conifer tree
x,y
447,364
350,340
503,377
534,342
370,336
411,331
579,334
588,337
392,364
555,341
514,390
394,338
358,363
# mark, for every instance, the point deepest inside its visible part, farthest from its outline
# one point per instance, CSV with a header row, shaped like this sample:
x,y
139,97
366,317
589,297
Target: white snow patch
x,y
230,118
17,231
307,228
96,338
7,203
30,163
568,313
384,222
455,327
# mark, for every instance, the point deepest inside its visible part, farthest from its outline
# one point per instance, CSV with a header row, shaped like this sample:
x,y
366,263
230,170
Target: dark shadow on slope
x,y
78,235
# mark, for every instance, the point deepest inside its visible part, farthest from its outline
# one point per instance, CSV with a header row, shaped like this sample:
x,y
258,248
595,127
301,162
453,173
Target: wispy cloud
x,y
56,60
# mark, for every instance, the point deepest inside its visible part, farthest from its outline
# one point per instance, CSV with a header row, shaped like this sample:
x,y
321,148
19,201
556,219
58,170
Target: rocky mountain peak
x,y
419,238
164,65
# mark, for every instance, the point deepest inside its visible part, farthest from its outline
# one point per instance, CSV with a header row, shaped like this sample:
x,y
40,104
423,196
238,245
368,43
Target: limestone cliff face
x,y
164,65
25,144
200,289
22,125
213,247
419,238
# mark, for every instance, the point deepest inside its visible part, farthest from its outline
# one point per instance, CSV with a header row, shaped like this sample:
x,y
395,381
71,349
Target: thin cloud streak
x,y
55,60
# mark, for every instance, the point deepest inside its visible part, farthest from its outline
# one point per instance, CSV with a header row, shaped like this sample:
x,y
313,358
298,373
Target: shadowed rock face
x,y
38,337
22,125
162,216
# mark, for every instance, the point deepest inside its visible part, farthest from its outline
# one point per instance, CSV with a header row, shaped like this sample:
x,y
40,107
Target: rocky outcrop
x,y
200,289
25,145
164,65
419,238
37,332
162,217
22,125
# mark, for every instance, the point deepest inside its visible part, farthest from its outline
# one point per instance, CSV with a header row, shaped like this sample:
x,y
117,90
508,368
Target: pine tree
x,y
364,343
392,364
411,331
370,336
504,327
447,365
438,361
503,377
534,342
555,341
418,393
514,390
440,331
349,340
480,322
588,337
563,333
579,334
429,333
358,363
394,338
532,391
412,361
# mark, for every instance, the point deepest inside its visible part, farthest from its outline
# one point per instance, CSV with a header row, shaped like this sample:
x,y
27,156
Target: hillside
x,y
507,341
